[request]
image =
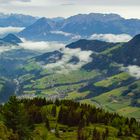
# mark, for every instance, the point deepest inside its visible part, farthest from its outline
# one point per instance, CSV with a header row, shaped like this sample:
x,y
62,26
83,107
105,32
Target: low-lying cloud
x,y
34,46
133,70
61,33
66,34
6,48
63,65
41,46
6,30
111,37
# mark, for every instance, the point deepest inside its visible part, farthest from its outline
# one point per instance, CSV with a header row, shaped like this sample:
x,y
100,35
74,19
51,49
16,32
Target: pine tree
x,y
103,136
57,102
47,124
120,132
79,132
57,131
16,117
106,132
94,134
60,115
53,112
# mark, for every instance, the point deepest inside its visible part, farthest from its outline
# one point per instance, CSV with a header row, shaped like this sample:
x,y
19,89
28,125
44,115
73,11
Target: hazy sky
x,y
65,8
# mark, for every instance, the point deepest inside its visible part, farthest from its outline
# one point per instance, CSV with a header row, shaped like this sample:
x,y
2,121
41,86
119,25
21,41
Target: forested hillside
x,y
39,119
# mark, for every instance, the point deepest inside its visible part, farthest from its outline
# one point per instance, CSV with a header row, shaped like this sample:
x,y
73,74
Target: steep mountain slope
x,y
7,88
45,29
39,28
128,54
93,45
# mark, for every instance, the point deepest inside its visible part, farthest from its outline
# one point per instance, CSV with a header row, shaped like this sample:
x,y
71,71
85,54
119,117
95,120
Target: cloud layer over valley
x,y
64,63
7,48
72,59
6,30
41,46
111,37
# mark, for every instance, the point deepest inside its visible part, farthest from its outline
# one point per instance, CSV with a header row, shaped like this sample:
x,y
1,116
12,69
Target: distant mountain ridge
x,y
16,20
80,26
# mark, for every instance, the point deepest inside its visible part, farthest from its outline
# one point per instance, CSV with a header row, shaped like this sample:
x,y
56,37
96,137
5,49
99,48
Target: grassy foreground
x,y
38,119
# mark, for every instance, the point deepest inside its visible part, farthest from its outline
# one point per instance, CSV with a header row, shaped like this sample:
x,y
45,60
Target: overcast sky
x,y
65,8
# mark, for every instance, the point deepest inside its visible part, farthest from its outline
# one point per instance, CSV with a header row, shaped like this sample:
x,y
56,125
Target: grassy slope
x,y
114,101
116,79
71,132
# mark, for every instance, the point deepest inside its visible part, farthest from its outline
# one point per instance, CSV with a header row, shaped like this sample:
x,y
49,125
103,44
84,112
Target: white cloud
x,y
34,46
76,37
6,30
41,46
111,37
62,65
133,70
6,48
66,34
61,33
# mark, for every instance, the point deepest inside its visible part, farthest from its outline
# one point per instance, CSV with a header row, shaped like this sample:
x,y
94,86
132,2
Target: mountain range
x,y
80,26
72,28
16,20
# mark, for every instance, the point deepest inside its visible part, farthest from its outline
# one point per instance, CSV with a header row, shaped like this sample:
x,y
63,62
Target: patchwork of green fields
x,y
116,79
40,81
